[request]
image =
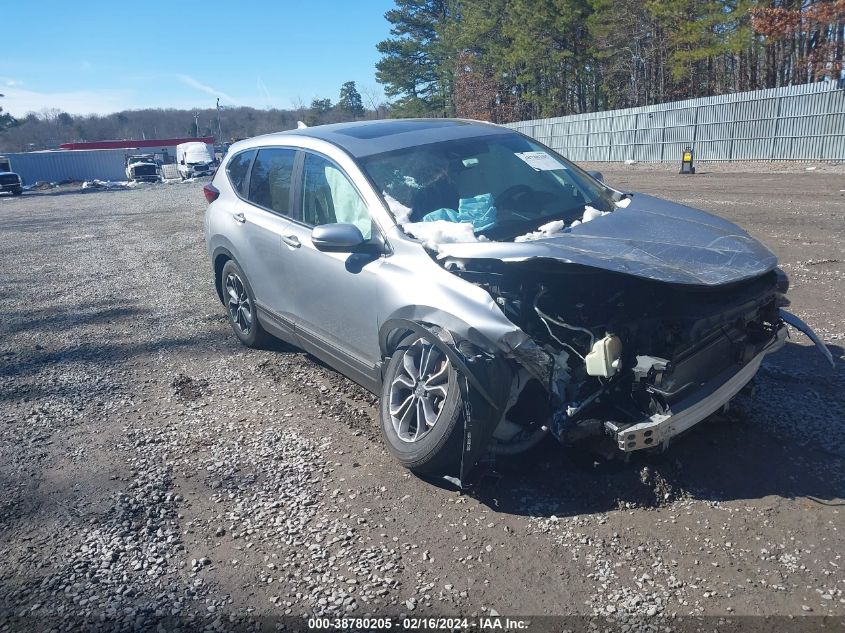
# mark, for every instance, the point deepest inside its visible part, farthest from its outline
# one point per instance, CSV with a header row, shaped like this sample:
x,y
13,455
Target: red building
x,y
163,148
150,145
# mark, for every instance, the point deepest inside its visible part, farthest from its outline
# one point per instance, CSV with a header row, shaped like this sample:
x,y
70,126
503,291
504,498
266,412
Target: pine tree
x,y
6,119
350,102
413,65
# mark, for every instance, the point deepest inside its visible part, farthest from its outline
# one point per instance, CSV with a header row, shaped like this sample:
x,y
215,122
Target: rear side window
x,y
237,170
270,181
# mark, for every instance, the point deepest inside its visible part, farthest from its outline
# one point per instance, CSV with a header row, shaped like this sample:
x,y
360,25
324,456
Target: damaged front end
x,y
629,359
632,327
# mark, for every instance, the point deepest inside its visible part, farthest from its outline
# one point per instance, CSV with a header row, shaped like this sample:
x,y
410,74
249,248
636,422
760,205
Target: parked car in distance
x,y
194,159
489,290
142,168
9,180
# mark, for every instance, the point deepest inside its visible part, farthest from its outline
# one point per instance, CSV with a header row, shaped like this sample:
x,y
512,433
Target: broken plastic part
x,y
798,324
648,364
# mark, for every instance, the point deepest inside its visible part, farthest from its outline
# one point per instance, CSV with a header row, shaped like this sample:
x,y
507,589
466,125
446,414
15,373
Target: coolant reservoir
x,y
605,357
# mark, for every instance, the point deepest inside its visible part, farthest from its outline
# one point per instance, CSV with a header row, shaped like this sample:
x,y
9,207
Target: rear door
x,y
263,215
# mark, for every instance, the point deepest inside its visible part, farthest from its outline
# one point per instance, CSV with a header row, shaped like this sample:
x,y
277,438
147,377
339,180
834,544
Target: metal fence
x,y
792,123
60,165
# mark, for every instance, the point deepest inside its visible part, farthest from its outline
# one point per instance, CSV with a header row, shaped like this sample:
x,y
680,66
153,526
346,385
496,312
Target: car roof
x,y
365,138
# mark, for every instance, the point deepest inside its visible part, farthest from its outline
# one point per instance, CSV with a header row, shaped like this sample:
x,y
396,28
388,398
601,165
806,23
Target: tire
x,y
429,449
239,301
17,191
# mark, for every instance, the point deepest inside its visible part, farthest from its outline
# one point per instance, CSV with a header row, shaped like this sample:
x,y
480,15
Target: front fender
x,y
480,380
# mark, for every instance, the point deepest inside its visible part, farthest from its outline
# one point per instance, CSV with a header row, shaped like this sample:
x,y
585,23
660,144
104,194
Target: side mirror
x,y
597,175
337,238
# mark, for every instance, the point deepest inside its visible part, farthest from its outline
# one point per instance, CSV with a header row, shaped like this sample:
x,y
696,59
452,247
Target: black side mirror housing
x,y
597,175
337,238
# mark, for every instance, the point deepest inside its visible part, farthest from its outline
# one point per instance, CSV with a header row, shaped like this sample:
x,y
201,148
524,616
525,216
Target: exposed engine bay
x,y
621,350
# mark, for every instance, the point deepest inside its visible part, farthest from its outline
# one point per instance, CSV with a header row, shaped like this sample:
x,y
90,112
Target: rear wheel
x,y
240,306
17,191
422,408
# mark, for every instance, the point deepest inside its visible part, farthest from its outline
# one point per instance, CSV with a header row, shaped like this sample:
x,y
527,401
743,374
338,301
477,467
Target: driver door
x,y
336,295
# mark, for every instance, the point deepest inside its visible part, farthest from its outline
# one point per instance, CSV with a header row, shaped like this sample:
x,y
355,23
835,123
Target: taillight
x,y
211,193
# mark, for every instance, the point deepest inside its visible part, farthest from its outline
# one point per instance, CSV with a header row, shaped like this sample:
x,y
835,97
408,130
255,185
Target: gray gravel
x,y
155,472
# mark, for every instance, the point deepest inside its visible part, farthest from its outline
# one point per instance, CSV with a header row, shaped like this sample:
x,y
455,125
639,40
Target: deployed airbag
x,y
478,211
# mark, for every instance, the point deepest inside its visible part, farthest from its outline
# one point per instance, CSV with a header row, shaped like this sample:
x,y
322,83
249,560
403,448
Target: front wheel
x,y
240,306
422,408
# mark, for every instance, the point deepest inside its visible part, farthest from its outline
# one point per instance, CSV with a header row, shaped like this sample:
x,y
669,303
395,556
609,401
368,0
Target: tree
x,y
626,44
807,41
413,66
477,94
6,119
350,101
318,111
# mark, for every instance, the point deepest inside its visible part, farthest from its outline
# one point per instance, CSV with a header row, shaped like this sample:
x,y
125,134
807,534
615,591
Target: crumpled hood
x,y
651,238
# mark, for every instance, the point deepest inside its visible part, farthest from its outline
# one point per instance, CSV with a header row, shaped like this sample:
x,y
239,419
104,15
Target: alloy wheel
x,y
240,306
418,391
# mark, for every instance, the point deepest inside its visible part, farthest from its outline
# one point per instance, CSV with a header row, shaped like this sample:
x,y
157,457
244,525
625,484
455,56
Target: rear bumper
x,y
10,187
660,428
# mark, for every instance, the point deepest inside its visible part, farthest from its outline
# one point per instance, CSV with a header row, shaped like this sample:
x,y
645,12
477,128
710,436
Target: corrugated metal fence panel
x,y
102,164
792,123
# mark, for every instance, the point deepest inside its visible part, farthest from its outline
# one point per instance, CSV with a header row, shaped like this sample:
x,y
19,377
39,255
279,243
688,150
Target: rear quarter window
x,y
237,169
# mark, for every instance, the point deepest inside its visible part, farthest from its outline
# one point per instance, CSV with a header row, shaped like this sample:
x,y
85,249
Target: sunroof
x,y
388,128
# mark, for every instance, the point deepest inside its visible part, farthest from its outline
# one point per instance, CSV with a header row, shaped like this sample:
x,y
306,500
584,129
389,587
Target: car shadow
x,y
758,449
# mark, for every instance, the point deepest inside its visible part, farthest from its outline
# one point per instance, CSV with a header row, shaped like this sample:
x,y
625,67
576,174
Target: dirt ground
x,y
154,474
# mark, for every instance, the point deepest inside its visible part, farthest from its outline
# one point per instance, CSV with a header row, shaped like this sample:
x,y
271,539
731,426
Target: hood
x,y
651,238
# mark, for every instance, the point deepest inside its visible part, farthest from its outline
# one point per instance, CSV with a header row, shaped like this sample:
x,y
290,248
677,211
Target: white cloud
x,y
12,82
19,102
263,93
193,83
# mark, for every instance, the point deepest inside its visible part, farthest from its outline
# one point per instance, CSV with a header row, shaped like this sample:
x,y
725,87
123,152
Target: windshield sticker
x,y
541,161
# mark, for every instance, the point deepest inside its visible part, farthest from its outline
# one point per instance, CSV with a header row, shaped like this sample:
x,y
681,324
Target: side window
x,y
237,169
269,183
328,197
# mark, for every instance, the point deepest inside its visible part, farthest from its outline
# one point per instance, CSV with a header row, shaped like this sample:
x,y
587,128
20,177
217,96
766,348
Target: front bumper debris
x,y
658,429
798,324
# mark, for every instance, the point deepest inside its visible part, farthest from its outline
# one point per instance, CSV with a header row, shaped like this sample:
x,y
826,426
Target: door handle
x,y
291,240
239,217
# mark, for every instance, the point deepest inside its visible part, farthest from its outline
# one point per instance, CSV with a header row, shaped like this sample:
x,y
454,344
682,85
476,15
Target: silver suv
x,y
490,291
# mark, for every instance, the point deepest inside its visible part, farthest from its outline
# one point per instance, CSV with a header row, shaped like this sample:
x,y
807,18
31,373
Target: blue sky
x,y
105,56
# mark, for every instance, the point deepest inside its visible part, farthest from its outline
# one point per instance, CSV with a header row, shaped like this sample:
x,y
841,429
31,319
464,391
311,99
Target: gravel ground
x,y
157,475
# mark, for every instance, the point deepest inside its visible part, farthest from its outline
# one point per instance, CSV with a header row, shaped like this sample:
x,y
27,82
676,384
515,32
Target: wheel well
x,y
219,262
392,341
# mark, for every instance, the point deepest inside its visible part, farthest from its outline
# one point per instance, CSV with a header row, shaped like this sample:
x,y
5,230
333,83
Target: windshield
x,y
503,184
